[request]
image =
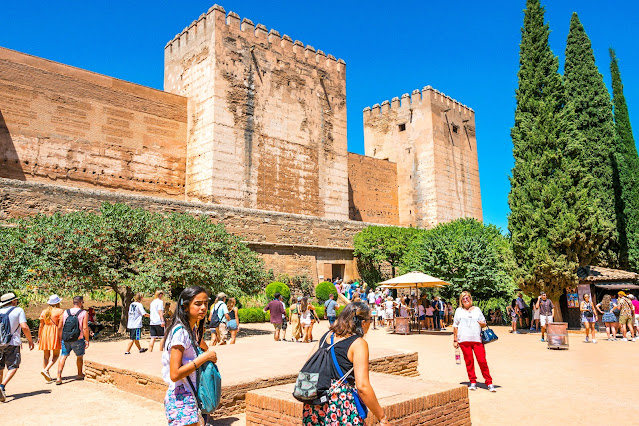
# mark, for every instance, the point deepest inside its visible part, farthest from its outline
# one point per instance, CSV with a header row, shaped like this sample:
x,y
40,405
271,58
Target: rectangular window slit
x,y
402,127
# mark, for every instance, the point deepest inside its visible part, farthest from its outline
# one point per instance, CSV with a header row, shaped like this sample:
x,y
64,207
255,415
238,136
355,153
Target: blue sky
x,y
466,49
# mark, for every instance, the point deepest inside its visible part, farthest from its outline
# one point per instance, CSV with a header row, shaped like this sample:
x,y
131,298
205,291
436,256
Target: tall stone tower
x,y
266,117
431,137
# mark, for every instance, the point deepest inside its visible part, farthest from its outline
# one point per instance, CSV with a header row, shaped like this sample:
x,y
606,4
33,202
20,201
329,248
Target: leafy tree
x,y
590,133
626,173
379,246
467,254
126,249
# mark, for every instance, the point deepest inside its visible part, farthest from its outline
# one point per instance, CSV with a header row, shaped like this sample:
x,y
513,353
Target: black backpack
x,y
71,328
314,380
215,318
6,334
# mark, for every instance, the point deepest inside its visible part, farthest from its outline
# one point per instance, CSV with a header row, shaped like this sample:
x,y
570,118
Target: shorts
x,y
586,319
135,333
180,407
232,325
524,312
625,319
156,331
277,325
636,320
331,319
10,357
422,317
545,319
77,347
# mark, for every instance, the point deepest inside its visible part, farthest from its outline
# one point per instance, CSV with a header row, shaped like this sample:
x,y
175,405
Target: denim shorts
x,y
232,325
77,347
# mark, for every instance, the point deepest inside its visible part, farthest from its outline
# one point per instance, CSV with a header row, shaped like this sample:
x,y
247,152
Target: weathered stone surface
x,y
372,190
431,137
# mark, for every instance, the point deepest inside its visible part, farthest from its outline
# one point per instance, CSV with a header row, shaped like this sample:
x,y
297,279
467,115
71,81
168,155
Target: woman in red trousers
x,y
467,326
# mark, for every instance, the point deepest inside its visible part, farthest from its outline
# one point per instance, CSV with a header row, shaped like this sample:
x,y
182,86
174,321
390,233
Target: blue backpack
x,y
208,383
5,328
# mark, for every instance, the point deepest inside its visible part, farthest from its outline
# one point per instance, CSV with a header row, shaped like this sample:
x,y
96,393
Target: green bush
x,y
278,287
323,289
251,315
320,310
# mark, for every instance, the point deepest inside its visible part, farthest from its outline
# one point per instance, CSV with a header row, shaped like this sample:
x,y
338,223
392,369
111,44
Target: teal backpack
x,y
208,383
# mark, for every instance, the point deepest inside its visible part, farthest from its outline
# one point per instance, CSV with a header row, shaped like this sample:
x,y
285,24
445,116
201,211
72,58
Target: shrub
x,y
278,287
304,283
323,289
252,315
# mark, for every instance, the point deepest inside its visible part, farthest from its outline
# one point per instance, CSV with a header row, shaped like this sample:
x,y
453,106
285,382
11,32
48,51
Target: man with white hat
x,y
12,316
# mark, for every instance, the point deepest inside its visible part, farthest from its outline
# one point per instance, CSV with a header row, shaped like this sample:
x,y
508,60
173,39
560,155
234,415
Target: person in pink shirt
x,y
635,303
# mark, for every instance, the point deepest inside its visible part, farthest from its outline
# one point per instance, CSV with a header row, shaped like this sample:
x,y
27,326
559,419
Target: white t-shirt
x,y
371,298
467,324
154,310
136,312
388,305
179,337
16,317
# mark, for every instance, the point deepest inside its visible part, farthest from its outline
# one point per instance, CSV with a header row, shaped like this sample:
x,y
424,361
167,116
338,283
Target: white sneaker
x,y
472,387
634,339
491,388
624,340
586,340
594,340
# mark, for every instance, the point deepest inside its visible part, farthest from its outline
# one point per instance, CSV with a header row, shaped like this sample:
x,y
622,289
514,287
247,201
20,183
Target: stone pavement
x,y
531,380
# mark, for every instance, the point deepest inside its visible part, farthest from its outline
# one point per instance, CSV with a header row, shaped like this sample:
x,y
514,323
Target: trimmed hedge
x,y
248,315
323,289
278,287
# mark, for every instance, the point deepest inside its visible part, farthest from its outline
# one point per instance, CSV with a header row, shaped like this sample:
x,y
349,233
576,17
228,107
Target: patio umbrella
x,y
413,280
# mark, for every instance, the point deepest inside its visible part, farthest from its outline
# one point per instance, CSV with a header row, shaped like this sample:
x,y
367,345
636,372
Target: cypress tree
x,y
626,162
589,136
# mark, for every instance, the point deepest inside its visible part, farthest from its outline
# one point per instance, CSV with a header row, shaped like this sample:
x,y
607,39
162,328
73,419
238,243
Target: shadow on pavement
x,y
11,397
224,421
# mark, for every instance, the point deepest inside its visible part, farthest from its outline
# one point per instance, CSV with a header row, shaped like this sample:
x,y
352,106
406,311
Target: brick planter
x,y
406,401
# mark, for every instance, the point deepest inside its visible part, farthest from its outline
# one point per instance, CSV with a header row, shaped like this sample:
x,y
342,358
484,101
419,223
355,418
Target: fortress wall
x,y
288,243
372,187
74,127
268,108
438,179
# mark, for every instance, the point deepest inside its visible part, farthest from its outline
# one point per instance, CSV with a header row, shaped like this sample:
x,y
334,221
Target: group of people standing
x,y
432,313
618,314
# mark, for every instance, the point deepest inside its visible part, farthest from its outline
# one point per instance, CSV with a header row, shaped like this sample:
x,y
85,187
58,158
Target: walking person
x,y
49,339
351,352
134,324
277,312
605,308
13,316
626,316
234,320
512,312
307,316
546,312
588,317
534,326
294,320
74,329
219,318
180,359
523,311
157,325
467,325
330,307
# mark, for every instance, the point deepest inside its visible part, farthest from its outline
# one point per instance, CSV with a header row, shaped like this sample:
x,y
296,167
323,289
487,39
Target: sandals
x,y
46,376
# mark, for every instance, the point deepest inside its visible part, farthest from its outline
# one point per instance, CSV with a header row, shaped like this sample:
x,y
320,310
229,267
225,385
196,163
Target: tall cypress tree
x,y
535,136
626,162
589,134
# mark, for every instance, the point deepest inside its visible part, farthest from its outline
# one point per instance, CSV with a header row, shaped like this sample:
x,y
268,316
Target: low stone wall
x,y
407,401
233,396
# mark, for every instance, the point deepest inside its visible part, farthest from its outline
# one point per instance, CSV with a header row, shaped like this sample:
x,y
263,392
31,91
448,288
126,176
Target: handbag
x,y
488,335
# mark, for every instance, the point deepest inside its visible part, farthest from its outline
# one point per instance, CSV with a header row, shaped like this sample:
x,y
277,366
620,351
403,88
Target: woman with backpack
x,y
351,353
48,337
180,360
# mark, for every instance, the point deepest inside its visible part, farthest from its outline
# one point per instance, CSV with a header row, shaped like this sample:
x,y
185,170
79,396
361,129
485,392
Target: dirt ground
x,y
528,376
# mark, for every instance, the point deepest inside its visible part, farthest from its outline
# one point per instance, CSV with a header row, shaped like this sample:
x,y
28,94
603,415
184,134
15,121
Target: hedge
x,y
248,315
277,287
323,289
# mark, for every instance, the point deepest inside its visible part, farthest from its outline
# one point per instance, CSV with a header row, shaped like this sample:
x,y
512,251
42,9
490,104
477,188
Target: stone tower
x,y
431,137
266,117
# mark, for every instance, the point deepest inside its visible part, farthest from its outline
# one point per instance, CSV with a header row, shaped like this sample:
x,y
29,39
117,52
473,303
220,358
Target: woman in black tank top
x,y
351,353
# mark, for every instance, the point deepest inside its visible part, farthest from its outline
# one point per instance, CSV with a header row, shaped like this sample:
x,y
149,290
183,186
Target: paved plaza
x,y
531,380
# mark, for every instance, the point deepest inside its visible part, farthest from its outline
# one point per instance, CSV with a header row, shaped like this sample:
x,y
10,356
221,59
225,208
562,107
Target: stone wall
x,y
74,127
289,243
372,190
267,117
432,139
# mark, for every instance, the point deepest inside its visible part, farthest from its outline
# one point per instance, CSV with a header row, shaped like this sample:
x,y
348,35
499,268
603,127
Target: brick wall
x,y
267,125
74,127
372,190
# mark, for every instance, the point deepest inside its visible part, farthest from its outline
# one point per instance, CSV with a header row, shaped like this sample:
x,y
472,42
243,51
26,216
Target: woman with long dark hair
x,y
180,358
351,351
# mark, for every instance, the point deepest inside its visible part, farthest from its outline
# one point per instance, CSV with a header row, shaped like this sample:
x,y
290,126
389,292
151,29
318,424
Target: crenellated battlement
x,y
200,28
416,98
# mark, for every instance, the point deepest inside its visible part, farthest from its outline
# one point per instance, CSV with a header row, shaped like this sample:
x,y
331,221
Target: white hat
x,y
7,298
54,299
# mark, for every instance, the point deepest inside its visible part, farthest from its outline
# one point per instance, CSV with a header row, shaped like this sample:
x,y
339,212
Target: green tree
x,y
466,253
377,247
590,133
128,250
626,174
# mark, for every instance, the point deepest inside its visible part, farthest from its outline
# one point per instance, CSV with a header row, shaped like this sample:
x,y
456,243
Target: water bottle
x,y
457,356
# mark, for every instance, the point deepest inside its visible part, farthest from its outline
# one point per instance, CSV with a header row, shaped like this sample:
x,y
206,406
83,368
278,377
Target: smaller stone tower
x,y
431,137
